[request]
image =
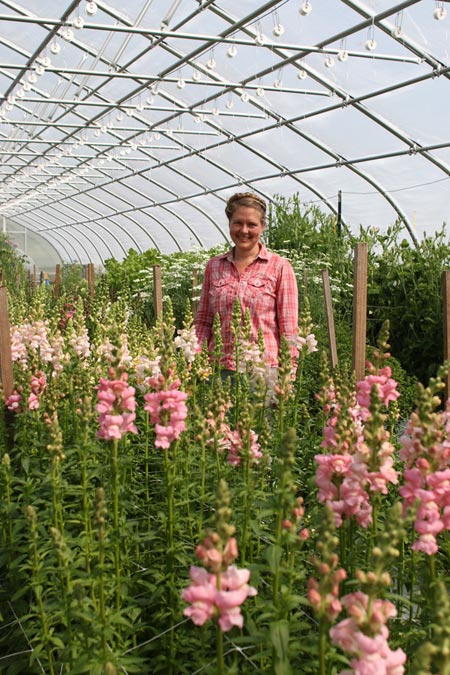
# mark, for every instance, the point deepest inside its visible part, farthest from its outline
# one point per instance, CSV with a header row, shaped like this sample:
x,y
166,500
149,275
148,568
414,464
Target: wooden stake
x,y
446,324
330,319
194,303
157,291
359,311
6,369
34,276
91,279
57,280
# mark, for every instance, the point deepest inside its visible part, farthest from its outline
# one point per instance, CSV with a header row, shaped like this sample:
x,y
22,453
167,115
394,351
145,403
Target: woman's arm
x,y
204,319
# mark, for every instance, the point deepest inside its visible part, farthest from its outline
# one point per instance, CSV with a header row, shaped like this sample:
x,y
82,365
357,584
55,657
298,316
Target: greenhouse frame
x,y
127,126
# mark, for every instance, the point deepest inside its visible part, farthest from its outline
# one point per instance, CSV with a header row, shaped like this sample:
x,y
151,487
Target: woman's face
x,y
246,226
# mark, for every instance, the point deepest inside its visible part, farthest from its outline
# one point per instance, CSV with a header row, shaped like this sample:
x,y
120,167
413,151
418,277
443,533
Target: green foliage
x,y
404,286
12,264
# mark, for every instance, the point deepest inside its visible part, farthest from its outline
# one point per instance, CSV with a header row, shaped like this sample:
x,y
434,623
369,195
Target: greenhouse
x,y
225,337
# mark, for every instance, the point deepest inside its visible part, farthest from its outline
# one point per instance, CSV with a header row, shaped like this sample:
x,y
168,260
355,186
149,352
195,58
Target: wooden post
x,y
34,276
157,291
6,369
194,303
57,280
359,311
330,319
91,279
446,324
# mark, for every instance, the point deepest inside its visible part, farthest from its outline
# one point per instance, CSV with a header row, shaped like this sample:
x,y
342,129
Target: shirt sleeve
x,y
287,303
204,319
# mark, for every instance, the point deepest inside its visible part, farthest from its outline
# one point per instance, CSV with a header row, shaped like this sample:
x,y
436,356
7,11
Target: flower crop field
x,y
158,518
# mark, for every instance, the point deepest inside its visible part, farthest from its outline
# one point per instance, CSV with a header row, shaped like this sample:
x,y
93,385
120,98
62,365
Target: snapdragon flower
x,y
116,407
168,411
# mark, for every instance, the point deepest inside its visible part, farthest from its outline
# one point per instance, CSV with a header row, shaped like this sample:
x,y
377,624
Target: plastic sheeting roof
x,y
128,124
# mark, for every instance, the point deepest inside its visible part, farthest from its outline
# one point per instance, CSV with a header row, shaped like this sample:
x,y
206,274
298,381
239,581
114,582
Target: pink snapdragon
x,y
38,385
364,636
116,407
168,410
14,402
209,597
221,588
238,444
30,339
425,451
360,462
385,384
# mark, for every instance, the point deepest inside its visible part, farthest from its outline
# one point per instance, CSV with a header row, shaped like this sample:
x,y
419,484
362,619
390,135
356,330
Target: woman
x,y
263,282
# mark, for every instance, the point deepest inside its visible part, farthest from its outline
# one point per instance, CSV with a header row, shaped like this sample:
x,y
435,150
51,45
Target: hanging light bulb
x,y
211,64
260,91
260,39
278,30
302,74
342,55
40,70
20,92
329,62
215,111
91,8
78,22
440,13
150,100
397,32
68,35
46,62
26,86
181,83
232,51
370,44
32,78
277,84
305,8
139,106
229,104
11,99
244,97
196,76
55,47
119,116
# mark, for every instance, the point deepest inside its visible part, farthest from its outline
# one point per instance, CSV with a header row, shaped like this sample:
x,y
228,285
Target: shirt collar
x,y
263,253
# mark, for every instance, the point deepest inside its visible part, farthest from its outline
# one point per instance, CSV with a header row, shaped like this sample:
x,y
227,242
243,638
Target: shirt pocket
x,y
221,294
261,294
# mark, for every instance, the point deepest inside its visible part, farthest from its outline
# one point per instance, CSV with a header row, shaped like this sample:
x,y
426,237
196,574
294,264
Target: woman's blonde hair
x,y
245,199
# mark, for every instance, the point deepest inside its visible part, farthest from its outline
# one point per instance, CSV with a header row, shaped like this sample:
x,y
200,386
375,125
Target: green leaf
x,y
279,637
274,554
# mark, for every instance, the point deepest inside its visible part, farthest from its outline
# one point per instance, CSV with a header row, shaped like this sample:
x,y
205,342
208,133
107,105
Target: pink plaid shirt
x,y
267,287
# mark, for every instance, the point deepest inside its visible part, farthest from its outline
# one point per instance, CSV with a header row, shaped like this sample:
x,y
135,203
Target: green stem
x,y
115,490
37,588
220,661
101,588
202,489
322,645
248,489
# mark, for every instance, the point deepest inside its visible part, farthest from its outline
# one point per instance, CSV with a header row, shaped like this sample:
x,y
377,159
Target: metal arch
x,y
28,229
69,225
144,208
323,82
234,27
72,234
363,175
288,122
194,206
38,233
99,216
